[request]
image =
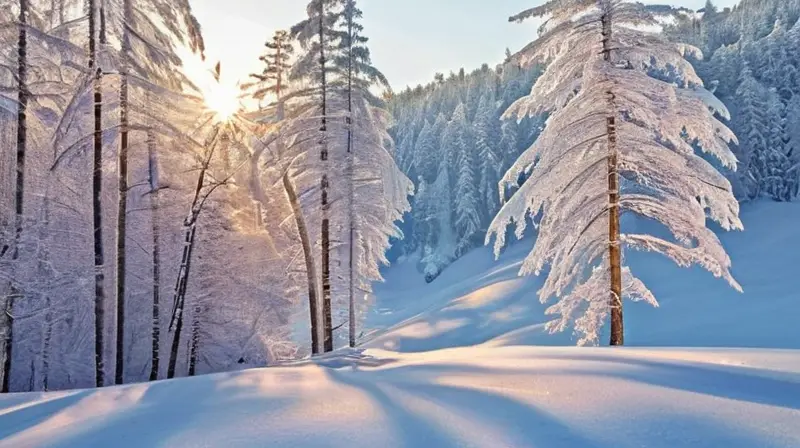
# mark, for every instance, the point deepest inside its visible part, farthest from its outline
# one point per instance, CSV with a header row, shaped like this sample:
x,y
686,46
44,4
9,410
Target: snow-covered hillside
x,y
478,300
456,368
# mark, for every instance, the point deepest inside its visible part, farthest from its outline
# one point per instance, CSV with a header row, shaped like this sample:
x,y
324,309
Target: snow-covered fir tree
x,y
617,141
363,194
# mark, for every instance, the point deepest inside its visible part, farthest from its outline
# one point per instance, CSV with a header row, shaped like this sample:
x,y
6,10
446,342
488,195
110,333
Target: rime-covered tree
x,y
457,143
752,150
272,81
617,141
317,40
487,139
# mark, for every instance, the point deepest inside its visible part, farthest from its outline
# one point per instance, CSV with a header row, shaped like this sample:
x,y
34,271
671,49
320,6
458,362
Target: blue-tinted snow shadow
x,y
166,410
525,425
751,385
522,424
28,415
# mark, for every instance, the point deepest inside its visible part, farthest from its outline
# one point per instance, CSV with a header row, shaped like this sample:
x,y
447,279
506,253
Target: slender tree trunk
x,y
614,249
97,191
122,205
324,186
302,228
19,204
308,255
351,180
156,253
180,293
190,229
44,272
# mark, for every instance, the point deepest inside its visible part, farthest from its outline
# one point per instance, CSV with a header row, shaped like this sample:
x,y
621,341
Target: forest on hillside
x,y
146,234
750,59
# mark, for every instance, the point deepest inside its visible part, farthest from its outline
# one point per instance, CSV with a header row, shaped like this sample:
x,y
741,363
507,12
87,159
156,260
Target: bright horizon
x,y
436,35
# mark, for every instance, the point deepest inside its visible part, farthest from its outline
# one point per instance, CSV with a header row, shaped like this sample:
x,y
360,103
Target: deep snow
x,y
455,368
477,300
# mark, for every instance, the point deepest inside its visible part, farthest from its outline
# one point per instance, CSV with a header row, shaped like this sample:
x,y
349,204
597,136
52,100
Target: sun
x,y
223,100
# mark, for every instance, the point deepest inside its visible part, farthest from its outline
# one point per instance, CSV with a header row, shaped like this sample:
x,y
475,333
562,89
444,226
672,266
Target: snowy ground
x,y
466,397
477,300
456,368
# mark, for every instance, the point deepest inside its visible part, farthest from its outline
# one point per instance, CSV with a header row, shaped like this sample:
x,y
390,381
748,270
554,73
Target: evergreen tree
x,y
751,123
616,139
487,138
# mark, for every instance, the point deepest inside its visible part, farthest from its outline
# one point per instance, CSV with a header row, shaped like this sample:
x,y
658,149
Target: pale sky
x,y
410,40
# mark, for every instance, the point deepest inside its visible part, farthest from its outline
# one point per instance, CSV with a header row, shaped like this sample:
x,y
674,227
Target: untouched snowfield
x,y
453,364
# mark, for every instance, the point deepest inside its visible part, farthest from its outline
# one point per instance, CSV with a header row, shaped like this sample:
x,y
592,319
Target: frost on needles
x,y
624,104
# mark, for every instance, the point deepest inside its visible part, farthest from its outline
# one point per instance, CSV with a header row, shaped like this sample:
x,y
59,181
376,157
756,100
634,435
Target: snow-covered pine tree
x,y
752,125
776,164
317,40
487,137
617,141
436,257
272,79
457,142
282,158
378,191
425,150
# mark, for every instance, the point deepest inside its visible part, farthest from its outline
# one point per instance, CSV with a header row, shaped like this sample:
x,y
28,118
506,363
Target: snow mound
x,y
464,397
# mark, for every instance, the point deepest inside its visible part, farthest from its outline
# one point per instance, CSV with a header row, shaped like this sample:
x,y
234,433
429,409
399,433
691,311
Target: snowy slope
x,y
477,300
456,369
465,397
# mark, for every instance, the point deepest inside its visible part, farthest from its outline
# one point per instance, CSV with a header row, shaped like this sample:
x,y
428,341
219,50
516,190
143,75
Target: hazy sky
x,y
410,40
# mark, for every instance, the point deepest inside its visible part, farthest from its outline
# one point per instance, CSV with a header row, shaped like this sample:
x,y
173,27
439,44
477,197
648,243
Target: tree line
x,y
146,236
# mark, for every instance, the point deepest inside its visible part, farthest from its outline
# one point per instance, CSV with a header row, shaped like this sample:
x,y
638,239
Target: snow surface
x,y
456,369
479,301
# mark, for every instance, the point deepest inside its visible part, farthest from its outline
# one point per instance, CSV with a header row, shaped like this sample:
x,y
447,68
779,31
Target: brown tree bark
x,y
614,249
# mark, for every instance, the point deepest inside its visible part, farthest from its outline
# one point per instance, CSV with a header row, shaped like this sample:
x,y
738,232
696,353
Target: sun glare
x,y
221,96
223,100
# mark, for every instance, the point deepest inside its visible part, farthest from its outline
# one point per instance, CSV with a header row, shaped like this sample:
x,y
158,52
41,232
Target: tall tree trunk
x,y
311,270
19,204
45,272
614,249
351,186
156,252
302,228
97,190
122,205
324,185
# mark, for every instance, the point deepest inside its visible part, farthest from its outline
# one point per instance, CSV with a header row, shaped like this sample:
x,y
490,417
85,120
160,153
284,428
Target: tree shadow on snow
x,y
752,385
167,410
495,415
